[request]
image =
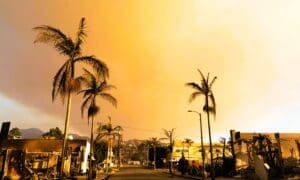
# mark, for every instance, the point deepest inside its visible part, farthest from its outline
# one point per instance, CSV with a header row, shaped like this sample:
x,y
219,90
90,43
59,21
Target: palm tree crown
x,y
107,130
95,86
169,134
205,88
63,81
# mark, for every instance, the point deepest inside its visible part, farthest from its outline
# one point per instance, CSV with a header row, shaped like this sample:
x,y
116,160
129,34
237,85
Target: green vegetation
x,y
14,133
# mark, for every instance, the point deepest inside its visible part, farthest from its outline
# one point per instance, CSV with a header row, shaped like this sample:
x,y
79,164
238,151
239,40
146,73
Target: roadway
x,y
137,173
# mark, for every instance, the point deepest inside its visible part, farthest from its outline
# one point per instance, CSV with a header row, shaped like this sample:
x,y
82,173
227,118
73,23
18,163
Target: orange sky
x,y
152,48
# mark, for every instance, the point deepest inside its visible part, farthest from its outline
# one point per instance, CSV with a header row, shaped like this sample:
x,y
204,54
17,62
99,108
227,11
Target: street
x,y
142,174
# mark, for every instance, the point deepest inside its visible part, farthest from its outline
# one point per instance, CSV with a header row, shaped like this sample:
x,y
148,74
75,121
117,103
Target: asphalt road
x,y
135,173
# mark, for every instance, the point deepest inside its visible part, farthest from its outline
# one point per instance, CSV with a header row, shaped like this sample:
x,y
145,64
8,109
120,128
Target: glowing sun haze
x,y
153,48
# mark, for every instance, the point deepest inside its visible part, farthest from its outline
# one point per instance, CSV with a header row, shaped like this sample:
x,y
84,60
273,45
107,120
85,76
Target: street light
x,y
202,146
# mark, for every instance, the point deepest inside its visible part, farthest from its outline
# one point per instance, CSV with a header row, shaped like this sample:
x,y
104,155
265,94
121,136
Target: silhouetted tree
x,y
100,151
205,88
169,134
108,130
189,142
95,87
53,133
64,82
154,142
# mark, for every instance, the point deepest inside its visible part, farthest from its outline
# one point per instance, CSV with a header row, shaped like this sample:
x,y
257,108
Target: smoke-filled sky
x,y
153,48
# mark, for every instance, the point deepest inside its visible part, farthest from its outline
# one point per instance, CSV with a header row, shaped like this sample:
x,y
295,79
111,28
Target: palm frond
x,y
56,84
202,76
213,102
109,98
88,75
85,103
100,136
105,87
207,78
81,35
194,95
194,86
166,132
98,65
53,36
63,84
117,128
212,82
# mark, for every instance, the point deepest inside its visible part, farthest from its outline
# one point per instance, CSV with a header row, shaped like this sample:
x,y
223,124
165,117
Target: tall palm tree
x,y
205,88
108,130
189,142
169,135
95,87
64,82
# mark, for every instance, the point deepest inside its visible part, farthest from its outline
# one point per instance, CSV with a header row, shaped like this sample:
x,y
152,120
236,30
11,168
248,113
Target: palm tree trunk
x,y
91,150
212,166
148,155
107,158
170,160
66,130
202,146
154,157
119,156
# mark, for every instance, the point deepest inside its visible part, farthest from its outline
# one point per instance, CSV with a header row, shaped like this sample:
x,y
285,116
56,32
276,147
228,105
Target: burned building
x,y
22,157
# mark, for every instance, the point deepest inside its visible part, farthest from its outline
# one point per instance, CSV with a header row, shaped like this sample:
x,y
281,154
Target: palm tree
x,y
95,87
108,130
145,146
205,88
189,142
154,142
64,82
169,135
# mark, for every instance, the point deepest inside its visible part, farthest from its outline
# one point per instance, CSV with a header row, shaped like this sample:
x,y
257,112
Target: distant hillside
x,y
31,133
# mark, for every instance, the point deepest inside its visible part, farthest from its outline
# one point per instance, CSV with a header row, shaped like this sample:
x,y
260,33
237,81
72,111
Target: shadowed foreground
x,y
142,174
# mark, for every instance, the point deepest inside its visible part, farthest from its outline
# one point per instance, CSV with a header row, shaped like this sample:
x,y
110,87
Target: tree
x,y
64,82
53,133
189,142
154,142
169,135
205,88
108,130
95,86
100,151
14,133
